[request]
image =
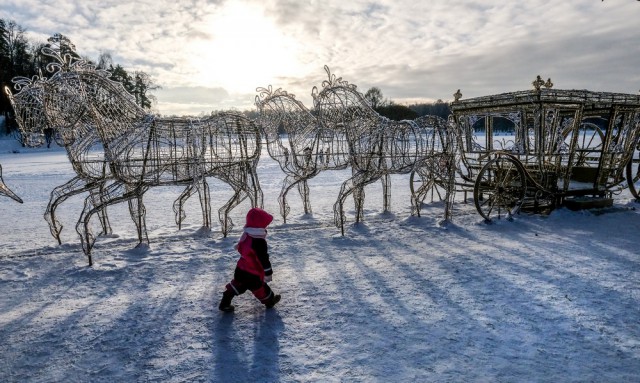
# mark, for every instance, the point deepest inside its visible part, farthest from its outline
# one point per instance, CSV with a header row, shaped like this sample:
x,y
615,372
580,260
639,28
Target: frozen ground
x,y
543,298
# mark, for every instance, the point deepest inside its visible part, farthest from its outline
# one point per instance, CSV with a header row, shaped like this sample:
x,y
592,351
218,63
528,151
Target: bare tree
x,y
374,97
105,61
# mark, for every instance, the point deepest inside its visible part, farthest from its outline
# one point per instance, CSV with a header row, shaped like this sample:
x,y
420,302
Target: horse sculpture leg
x,y
205,202
226,224
113,193
358,200
4,190
348,187
96,195
138,212
245,184
358,195
58,195
61,193
84,230
303,189
108,195
417,196
386,193
287,184
354,185
434,179
255,191
178,205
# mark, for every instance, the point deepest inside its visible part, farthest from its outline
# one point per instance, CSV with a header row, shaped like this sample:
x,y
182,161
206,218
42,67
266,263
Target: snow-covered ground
x,y
543,298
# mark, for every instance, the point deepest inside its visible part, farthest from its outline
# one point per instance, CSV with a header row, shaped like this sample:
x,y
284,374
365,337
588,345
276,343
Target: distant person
x,y
307,156
253,269
48,136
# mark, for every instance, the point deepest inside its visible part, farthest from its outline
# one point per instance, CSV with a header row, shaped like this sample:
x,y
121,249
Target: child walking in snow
x,y
253,270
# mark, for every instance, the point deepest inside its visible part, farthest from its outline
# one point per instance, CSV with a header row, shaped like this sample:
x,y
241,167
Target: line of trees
x,y
21,57
399,112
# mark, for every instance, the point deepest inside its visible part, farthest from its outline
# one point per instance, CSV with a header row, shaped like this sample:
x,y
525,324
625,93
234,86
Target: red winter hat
x,y
259,218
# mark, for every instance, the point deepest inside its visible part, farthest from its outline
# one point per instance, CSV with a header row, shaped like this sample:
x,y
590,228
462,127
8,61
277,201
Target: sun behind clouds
x,y
243,50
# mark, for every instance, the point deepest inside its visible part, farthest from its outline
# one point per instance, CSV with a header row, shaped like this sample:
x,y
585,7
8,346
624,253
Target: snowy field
x,y
398,299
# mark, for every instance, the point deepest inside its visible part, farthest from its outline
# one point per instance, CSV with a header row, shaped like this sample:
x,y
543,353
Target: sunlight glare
x,y
245,51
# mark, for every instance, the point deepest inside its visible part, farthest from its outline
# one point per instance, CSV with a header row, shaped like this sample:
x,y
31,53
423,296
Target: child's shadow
x,y
266,350
234,361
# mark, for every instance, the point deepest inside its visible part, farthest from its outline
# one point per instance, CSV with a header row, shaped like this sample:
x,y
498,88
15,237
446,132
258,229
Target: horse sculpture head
x,y
78,97
29,111
280,112
287,124
54,103
341,107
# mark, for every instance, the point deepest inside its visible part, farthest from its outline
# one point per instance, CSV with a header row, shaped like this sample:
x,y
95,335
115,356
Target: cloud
x,y
212,55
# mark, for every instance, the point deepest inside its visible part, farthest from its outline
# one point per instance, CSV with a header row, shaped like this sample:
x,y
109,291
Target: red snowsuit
x,y
254,263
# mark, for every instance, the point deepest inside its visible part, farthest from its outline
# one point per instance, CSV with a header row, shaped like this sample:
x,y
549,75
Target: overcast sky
x,y
211,55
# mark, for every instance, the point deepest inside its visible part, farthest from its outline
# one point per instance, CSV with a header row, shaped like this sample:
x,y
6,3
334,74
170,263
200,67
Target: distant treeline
x,y
20,57
401,112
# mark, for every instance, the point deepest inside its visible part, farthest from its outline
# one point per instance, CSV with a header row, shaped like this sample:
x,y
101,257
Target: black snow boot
x,y
272,300
225,303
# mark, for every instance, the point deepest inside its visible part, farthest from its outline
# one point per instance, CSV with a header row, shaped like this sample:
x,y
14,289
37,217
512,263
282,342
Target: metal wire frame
x,y
144,151
379,147
566,143
295,139
149,151
82,145
85,152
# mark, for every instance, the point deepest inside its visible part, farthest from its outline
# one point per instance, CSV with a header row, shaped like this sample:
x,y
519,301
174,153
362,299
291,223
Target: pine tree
x,y
63,45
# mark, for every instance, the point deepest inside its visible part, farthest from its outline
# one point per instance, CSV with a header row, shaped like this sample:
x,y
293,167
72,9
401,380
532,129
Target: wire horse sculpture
x,y
84,151
5,191
379,147
145,151
305,150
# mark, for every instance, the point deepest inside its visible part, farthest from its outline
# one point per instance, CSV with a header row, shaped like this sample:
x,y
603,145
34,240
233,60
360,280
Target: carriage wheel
x,y
499,189
633,175
590,139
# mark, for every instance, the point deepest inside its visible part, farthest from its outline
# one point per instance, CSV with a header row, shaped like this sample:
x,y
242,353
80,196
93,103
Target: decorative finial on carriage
x,y
537,83
548,84
457,96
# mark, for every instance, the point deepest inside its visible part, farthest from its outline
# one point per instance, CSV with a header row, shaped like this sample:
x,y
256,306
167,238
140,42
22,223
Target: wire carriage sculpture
x,y
379,147
145,151
296,140
556,146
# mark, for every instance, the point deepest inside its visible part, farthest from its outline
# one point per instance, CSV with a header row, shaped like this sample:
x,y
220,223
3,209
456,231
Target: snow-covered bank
x,y
398,298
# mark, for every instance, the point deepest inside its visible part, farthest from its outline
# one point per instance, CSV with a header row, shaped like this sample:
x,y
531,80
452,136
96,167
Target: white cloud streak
x,y
211,55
